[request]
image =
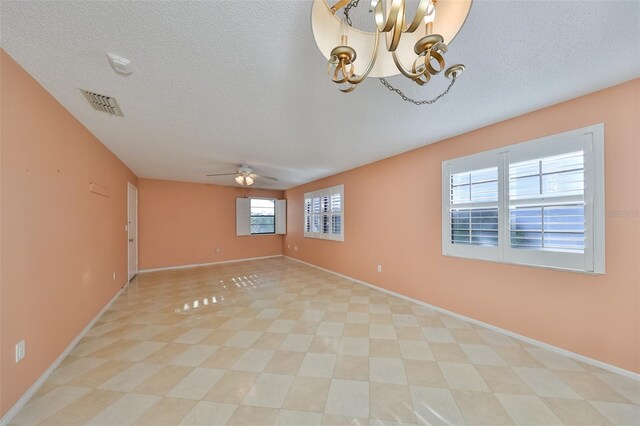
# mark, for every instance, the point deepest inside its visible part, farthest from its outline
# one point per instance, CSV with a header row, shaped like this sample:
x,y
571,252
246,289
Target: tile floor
x,y
277,342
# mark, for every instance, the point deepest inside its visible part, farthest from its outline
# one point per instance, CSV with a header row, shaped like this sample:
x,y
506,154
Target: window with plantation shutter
x,y
538,203
323,214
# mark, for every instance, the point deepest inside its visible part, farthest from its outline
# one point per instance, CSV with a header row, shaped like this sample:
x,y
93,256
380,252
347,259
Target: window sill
x,y
555,268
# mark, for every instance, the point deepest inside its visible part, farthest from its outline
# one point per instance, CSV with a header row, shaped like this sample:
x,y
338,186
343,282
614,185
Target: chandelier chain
x,y
353,3
413,101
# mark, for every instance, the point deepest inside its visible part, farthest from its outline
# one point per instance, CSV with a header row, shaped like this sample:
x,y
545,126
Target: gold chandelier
x,y
414,48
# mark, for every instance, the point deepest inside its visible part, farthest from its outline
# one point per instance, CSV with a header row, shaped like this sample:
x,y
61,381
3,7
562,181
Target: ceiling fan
x,y
244,175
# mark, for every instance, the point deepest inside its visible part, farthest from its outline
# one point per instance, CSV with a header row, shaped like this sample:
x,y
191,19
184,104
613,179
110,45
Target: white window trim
x,y
243,216
593,261
338,189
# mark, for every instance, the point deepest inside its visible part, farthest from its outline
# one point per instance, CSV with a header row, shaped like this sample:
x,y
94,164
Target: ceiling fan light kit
x,y
415,48
244,175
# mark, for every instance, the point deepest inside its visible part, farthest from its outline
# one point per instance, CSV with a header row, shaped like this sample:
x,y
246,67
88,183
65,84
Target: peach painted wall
x,y
183,223
393,218
60,243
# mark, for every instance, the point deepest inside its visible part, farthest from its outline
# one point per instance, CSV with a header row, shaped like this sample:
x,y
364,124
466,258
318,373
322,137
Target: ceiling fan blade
x,y
223,174
266,177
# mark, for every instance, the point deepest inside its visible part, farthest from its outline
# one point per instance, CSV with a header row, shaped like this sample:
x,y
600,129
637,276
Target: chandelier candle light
x,y
421,43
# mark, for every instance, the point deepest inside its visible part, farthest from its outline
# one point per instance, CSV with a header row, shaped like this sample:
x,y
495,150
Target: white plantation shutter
x,y
323,214
281,217
243,216
540,204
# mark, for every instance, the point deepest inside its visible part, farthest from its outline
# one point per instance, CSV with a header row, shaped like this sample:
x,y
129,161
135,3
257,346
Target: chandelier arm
x,y
413,101
404,70
372,62
421,12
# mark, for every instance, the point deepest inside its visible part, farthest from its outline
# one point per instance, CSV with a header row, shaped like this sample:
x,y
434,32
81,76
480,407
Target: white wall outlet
x,y
295,248
20,350
218,250
289,246
114,276
379,268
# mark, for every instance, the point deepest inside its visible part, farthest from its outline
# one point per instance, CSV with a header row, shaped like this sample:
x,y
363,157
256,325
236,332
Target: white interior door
x,y
132,229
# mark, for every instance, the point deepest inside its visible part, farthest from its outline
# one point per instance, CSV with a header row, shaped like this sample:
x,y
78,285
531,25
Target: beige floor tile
x,y
124,411
625,386
139,352
387,370
207,413
391,403
448,352
196,384
243,339
166,354
80,411
552,360
223,358
575,412
545,383
438,334
66,373
269,390
285,362
99,375
307,394
334,420
297,418
163,380
424,373
40,408
232,387
356,346
348,398
296,343
417,350
528,410
269,325
88,345
257,416
167,411
351,367
618,414
462,377
503,380
127,380
496,339
317,365
435,406
330,329
384,348
482,354
254,360
589,386
481,408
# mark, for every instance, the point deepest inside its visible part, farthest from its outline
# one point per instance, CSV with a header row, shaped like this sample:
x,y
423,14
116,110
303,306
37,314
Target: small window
x,y
538,203
323,214
263,216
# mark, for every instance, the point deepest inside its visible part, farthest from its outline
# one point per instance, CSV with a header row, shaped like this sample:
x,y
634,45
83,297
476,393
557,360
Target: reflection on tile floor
x,y
277,342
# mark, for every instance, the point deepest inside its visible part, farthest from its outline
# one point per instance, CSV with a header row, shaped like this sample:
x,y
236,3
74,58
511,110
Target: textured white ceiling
x,y
219,83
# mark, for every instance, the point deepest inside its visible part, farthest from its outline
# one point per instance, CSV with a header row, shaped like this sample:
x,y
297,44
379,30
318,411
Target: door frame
x,y
129,187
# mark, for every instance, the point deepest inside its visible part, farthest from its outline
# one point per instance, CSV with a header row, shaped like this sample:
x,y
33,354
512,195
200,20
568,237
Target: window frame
x,y
592,260
275,201
326,192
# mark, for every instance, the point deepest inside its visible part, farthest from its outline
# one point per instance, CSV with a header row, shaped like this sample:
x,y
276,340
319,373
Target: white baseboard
x,y
43,377
198,265
543,345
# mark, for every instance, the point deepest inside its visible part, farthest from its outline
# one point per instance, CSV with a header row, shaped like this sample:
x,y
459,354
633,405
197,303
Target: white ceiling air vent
x,y
102,103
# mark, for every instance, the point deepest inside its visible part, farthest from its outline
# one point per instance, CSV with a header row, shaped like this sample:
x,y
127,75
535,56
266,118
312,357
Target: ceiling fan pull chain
x,y
413,101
